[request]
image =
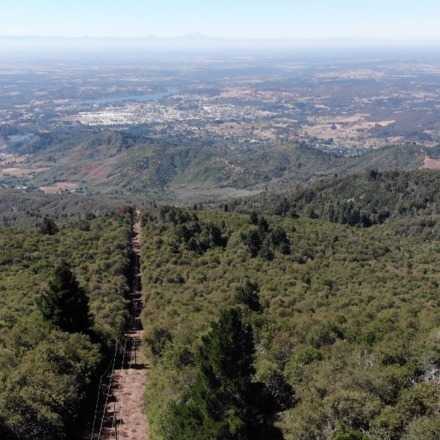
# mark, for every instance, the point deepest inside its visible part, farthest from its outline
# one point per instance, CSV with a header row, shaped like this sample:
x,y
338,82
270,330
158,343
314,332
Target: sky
x,y
231,19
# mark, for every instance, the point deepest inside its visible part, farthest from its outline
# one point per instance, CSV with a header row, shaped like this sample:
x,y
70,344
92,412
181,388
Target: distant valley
x,y
199,129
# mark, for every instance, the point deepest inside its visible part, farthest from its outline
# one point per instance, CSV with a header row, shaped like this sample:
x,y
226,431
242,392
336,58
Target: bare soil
x,y
126,408
431,164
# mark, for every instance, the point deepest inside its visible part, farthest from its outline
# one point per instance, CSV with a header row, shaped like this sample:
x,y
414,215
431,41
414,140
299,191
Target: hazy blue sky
x,y
297,19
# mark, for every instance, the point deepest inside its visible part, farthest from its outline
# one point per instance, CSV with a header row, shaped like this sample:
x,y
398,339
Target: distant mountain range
x,y
196,41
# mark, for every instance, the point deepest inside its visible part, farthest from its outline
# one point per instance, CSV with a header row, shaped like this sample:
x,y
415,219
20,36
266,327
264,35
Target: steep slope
x,y
125,412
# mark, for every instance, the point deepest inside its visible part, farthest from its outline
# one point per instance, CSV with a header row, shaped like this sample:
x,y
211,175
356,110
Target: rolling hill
x,y
127,162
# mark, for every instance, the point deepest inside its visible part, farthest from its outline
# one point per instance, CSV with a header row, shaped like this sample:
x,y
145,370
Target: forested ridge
x,y
28,208
365,199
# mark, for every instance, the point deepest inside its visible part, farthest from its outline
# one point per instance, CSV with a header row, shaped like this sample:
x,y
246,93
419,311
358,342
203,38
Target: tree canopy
x,y
224,402
65,304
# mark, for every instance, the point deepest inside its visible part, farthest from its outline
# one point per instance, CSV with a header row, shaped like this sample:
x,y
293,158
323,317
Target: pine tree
x,y
48,226
253,218
248,294
252,239
266,251
224,403
65,304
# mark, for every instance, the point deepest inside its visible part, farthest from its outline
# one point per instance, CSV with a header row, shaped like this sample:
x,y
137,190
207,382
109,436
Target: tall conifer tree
x,y
65,304
224,402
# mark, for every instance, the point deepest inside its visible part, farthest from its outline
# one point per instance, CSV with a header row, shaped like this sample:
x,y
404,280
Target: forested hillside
x,y
365,199
345,323
28,208
129,161
309,315
62,306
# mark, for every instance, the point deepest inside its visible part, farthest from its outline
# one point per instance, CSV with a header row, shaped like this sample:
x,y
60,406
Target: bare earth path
x,y
125,410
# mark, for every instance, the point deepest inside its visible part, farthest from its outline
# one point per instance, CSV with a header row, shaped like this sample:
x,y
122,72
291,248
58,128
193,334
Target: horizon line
x,y
205,37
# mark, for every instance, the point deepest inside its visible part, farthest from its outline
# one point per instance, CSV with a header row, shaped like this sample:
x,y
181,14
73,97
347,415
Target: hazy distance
x,y
245,23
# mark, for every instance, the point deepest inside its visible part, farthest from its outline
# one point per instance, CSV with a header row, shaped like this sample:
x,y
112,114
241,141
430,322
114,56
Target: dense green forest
x,y
372,197
344,319
28,208
308,315
62,306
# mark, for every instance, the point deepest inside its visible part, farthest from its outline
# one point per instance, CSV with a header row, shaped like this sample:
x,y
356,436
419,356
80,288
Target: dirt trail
x,y
126,405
